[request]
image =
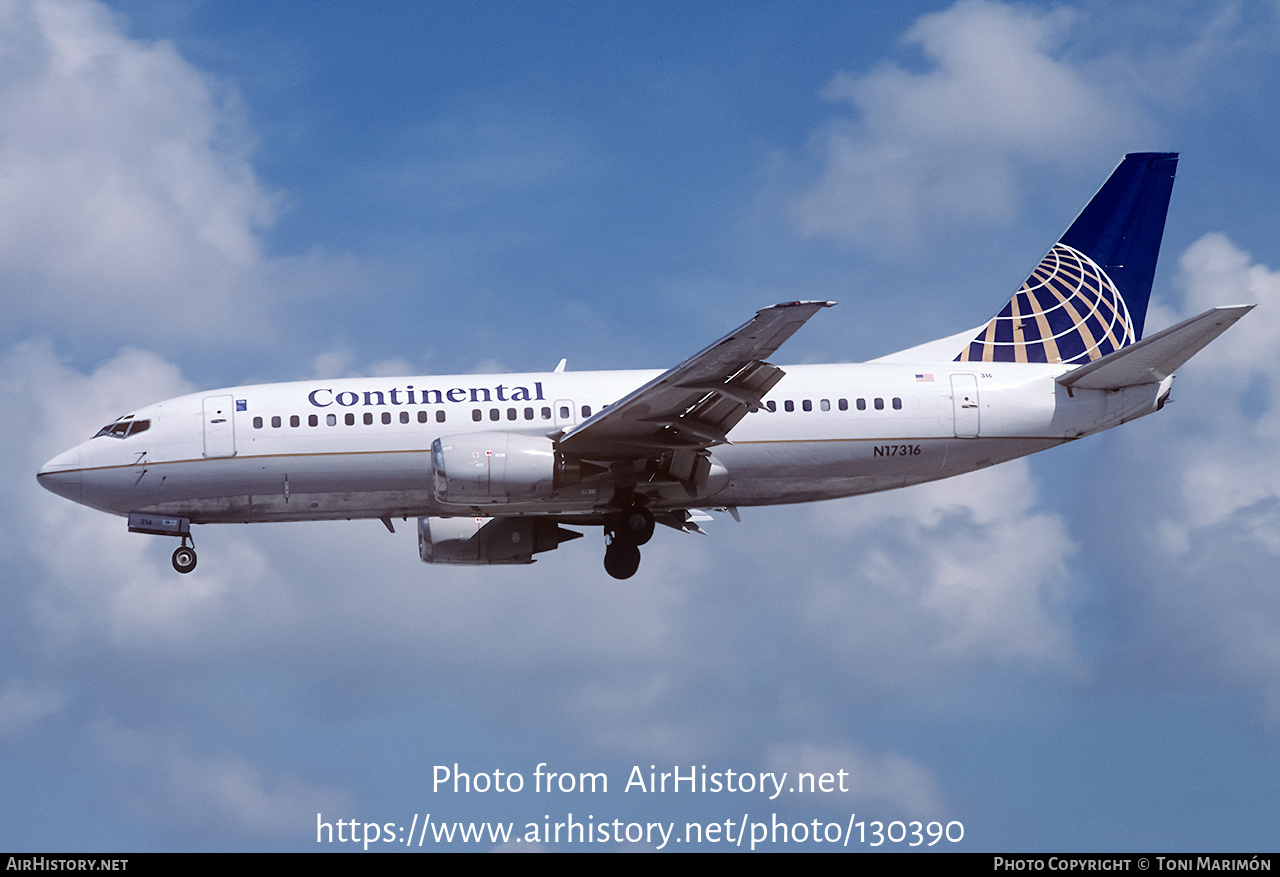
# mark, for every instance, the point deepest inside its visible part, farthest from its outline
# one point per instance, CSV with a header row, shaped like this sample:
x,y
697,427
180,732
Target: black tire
x,y
637,525
184,559
621,559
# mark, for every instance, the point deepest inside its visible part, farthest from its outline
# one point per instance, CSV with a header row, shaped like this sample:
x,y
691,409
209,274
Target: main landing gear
x,y
624,533
184,556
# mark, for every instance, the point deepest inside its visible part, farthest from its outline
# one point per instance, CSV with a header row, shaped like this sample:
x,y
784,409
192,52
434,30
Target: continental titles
x,y
410,395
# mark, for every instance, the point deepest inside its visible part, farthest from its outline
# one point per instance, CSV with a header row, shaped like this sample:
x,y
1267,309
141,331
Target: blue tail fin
x,y
1088,296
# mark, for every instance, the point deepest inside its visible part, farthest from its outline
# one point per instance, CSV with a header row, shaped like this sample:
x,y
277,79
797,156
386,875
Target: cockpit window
x,y
124,427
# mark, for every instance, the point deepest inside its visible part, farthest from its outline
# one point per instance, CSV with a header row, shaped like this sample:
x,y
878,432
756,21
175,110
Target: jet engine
x,y
493,467
481,541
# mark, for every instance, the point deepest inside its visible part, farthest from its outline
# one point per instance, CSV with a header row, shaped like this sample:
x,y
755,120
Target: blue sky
x,y
1080,651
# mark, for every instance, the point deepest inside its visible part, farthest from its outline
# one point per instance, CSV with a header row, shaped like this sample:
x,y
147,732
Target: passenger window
x,y
494,413
825,404
331,419
897,403
806,405
789,405
862,404
528,414
294,420
476,415
772,406
350,419
386,418
257,423
586,411
511,414
844,404
404,416
312,420
422,417
564,412
275,422
879,404
546,413
368,418
440,416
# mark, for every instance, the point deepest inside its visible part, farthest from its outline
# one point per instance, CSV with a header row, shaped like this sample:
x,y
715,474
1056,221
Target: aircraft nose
x,y
61,475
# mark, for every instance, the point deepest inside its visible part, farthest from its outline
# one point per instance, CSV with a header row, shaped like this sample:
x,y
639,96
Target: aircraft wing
x,y
695,404
1153,359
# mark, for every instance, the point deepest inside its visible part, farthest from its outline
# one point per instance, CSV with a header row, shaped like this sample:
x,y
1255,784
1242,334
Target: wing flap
x,y
1154,358
697,403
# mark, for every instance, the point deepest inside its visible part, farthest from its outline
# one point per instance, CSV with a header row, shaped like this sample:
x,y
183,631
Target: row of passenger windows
x,y
386,417
512,414
843,404
348,418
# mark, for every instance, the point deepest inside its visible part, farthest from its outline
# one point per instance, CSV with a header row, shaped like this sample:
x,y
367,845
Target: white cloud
x,y
1230,450
877,783
999,91
941,577
1201,524
212,794
68,548
1216,272
128,203
23,708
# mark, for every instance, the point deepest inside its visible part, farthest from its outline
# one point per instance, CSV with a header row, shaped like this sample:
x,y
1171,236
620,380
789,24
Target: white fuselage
x,y
361,447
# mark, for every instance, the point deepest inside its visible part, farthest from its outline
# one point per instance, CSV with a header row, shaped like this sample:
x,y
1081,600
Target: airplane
x,y
496,468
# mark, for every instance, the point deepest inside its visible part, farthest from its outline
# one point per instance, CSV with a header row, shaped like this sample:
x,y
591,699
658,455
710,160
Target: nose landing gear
x,y
184,558
624,534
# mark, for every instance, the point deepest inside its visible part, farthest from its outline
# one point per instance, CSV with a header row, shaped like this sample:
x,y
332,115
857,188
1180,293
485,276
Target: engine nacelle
x,y
482,541
491,467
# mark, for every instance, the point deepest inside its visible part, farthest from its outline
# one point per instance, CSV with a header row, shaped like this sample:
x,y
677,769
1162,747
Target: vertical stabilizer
x,y
1088,296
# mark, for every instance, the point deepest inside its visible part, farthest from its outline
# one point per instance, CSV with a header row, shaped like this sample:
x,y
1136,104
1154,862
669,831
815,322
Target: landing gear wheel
x,y
184,559
621,559
637,525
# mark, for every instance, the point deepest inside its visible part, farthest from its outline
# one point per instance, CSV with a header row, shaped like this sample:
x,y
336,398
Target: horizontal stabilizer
x,y
1153,359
